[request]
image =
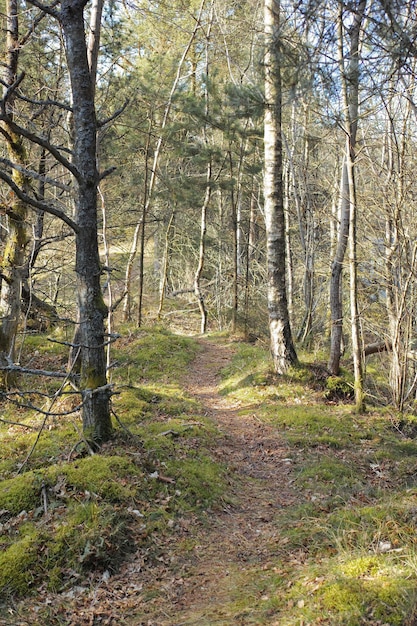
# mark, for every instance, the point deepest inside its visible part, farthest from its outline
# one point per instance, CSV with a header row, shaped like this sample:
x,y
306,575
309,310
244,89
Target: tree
x,y
91,307
282,347
91,338
349,70
350,90
14,257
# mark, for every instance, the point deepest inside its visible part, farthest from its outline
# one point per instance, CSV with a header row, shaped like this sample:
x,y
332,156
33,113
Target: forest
x,y
208,295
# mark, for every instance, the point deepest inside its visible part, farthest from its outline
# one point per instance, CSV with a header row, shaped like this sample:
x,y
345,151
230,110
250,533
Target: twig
x,y
124,427
176,433
54,399
35,443
44,494
116,114
112,338
17,424
33,407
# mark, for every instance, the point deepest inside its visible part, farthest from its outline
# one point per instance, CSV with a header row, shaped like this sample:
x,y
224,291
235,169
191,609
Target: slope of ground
x,y
244,532
316,526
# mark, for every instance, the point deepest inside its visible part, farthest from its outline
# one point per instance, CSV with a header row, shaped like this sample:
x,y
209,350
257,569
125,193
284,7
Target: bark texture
x,y
282,347
91,307
13,262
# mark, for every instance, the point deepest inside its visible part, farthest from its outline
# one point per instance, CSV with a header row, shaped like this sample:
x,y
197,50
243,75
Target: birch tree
x,y
282,346
349,72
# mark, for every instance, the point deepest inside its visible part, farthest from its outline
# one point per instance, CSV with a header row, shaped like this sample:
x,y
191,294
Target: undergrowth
x,y
344,551
347,550
67,517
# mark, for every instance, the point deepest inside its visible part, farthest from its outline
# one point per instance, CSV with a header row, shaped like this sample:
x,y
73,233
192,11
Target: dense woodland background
x,y
188,189
180,108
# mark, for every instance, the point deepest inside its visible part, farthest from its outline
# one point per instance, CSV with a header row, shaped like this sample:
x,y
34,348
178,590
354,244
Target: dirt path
x,y
243,534
195,578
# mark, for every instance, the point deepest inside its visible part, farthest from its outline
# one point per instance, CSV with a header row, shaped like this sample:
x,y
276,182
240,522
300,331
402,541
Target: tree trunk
x,y
201,254
207,196
235,245
12,265
350,91
165,264
282,347
91,307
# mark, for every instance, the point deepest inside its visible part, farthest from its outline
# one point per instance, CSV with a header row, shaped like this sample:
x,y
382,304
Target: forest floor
x,y
242,532
194,580
314,523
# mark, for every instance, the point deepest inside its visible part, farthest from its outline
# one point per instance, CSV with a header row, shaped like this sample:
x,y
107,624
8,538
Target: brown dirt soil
x,y
194,578
242,533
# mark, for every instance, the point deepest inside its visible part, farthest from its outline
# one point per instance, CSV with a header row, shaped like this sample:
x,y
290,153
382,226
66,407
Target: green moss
x,y
155,355
91,536
17,563
200,480
338,388
361,566
100,304
329,472
250,366
21,493
382,599
139,403
344,598
90,379
101,475
44,343
315,425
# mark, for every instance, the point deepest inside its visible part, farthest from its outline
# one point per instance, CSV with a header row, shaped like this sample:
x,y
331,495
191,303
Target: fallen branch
x,y
176,433
33,372
377,347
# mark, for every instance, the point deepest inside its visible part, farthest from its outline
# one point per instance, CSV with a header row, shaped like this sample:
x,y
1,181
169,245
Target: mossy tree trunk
x,y
92,310
13,262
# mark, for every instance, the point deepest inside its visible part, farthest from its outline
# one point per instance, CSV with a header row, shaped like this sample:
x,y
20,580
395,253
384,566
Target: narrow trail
x,y
195,576
243,534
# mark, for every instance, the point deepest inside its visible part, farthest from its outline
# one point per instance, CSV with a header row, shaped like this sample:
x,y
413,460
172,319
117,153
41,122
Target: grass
x,y
346,550
342,553
68,516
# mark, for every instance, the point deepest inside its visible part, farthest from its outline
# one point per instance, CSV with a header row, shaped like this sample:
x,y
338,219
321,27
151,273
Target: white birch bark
x,y
282,347
350,92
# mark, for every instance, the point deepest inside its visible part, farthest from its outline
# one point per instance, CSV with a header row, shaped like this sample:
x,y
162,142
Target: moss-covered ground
x,y
343,551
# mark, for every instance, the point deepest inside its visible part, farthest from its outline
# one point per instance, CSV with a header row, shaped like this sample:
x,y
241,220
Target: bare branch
x,y
115,115
42,206
45,103
40,141
45,8
33,174
112,338
10,89
17,424
33,372
33,407
107,172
